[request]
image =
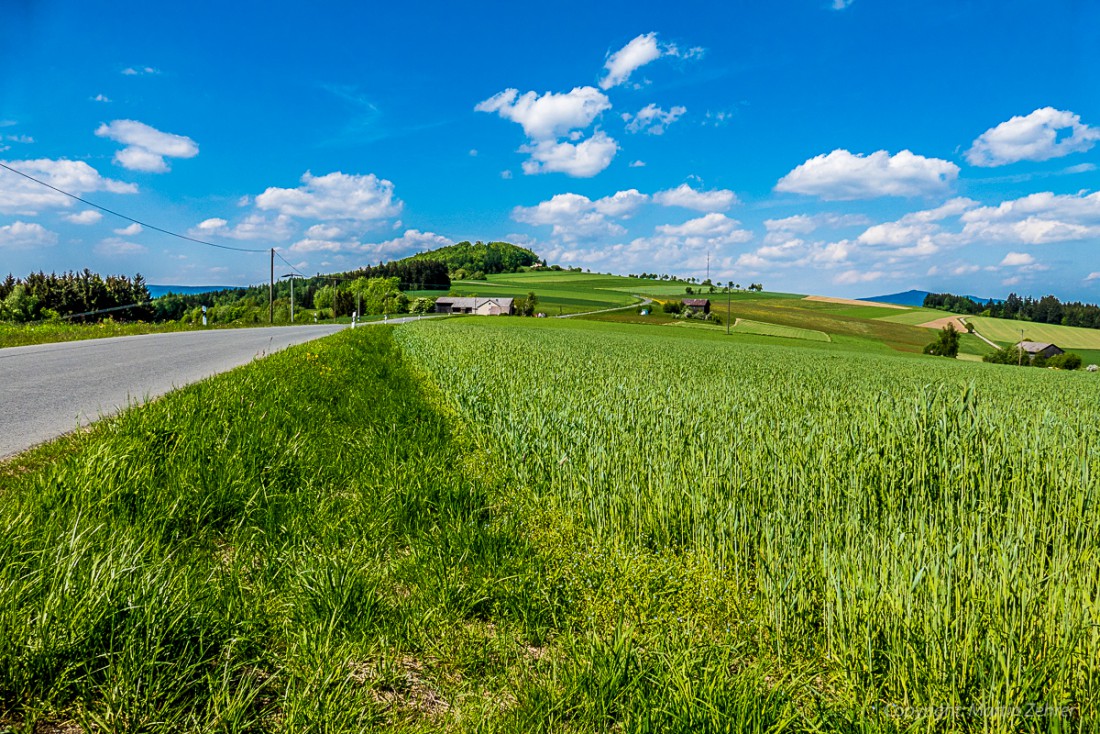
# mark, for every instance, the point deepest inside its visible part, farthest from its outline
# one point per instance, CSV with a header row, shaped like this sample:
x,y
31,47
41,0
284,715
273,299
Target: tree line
x,y
42,296
1045,310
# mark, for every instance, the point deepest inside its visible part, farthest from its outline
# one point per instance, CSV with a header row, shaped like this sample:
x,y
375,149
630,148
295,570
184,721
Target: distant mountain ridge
x,y
916,298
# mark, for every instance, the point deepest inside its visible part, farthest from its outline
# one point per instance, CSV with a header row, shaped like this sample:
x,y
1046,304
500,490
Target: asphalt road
x,y
50,389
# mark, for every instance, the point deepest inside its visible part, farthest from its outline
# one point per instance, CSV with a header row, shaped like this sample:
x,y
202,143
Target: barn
x,y
1039,349
475,306
698,305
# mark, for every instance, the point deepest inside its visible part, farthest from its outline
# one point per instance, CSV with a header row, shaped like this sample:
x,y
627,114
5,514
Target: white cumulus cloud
x,y
253,227
130,230
574,216
1017,259
652,119
146,147
26,236
22,196
1036,219
713,228
88,216
842,175
579,160
703,201
334,196
550,115
1033,137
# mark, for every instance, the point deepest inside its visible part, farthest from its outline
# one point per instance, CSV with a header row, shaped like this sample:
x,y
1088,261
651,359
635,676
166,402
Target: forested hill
x,y
1045,310
465,260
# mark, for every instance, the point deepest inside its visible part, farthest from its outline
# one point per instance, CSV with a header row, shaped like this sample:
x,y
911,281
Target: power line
x,y
289,264
129,219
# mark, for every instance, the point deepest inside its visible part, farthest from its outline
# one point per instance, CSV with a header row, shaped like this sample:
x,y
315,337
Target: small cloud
x,y
579,160
652,120
139,71
1012,281
129,231
473,152
1092,276
637,164
1044,134
505,174
841,4
112,247
716,119
26,236
550,115
88,216
703,201
101,98
852,277
1080,168
1017,259
640,51
19,139
146,147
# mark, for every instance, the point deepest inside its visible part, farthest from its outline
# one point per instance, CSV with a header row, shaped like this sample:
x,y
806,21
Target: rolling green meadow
x,y
498,525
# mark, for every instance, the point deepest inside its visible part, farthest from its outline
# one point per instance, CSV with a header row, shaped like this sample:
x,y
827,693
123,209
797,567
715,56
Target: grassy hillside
x,y
1007,331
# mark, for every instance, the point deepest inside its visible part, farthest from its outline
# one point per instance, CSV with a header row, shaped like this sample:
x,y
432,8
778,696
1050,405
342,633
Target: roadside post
x,y
204,315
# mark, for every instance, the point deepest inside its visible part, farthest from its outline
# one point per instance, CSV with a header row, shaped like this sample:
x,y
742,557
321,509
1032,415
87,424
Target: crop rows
x,y
924,533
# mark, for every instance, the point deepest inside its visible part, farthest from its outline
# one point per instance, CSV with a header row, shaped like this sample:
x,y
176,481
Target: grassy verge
x,y
21,335
294,546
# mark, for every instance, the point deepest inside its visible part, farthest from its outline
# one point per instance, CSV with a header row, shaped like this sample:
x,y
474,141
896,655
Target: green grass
x,y
18,335
877,520
1007,331
787,332
915,317
502,525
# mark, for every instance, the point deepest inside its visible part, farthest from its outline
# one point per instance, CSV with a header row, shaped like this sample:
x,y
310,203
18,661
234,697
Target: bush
x,y
1067,361
947,345
674,307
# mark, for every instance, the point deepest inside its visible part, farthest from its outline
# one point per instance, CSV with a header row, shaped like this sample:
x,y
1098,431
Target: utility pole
x,y
271,291
729,308
292,276
708,267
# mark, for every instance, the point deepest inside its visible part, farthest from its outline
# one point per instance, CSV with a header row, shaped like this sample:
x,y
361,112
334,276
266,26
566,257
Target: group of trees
x,y
1045,310
42,296
467,261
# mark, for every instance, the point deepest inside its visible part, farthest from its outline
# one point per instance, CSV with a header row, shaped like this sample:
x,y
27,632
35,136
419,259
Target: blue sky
x,y
827,146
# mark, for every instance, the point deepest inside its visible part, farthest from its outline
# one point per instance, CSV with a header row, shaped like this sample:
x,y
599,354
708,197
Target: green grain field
x,y
513,525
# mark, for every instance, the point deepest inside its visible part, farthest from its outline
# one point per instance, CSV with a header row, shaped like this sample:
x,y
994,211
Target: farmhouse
x,y
698,305
475,306
1037,349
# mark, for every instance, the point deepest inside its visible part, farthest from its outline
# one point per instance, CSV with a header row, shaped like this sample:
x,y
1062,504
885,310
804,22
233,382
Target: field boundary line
x,y
643,302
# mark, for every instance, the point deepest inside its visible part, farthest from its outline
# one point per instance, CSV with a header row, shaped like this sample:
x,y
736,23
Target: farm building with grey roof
x,y
475,306
1037,349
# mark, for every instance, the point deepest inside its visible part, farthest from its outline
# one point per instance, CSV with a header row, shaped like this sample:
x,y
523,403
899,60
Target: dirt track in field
x,y
853,302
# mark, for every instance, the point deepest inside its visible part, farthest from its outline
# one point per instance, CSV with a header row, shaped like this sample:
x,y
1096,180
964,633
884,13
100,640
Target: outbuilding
x,y
1040,349
475,306
698,305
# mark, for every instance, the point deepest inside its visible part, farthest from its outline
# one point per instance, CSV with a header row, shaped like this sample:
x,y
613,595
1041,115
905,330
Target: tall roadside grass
x,y
304,544
916,542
